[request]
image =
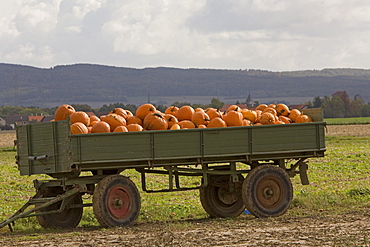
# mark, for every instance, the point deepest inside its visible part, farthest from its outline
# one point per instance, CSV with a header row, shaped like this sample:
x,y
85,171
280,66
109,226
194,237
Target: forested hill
x,y
27,85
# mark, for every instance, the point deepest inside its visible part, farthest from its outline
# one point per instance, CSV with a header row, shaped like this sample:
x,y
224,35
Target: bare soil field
x,y
320,229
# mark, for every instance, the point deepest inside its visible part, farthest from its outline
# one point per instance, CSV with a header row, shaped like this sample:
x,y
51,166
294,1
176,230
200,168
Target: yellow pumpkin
x,y
250,115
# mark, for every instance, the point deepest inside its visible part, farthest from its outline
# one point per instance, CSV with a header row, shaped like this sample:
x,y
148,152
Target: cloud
x,y
29,53
265,34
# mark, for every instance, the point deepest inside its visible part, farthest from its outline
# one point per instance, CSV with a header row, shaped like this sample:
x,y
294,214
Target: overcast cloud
x,y
276,35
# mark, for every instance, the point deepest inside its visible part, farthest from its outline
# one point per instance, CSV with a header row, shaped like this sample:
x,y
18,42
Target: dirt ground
x,y
335,230
350,229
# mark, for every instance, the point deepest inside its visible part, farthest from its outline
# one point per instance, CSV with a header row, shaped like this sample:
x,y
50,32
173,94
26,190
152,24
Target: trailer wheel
x,y
217,199
267,191
116,201
68,218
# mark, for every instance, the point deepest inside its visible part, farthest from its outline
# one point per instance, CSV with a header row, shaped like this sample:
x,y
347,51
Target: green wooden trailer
x,y
239,168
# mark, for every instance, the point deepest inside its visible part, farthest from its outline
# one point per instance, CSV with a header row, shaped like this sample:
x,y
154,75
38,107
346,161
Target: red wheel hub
x,y
119,202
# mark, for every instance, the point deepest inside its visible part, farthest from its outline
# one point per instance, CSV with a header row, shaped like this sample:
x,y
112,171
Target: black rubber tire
x,y
116,201
267,191
69,218
218,201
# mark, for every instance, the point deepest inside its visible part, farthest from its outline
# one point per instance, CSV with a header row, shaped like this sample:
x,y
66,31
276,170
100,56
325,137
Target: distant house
x,y
47,119
34,119
2,121
13,120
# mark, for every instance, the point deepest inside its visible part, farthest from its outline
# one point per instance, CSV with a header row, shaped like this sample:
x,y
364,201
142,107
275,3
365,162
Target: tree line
x,y
338,105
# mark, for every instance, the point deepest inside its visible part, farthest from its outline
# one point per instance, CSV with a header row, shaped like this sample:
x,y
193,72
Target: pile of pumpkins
x,y
147,117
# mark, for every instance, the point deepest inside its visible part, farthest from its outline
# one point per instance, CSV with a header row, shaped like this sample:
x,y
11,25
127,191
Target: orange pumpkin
x,y
119,111
270,110
144,110
134,127
78,128
246,122
120,129
267,118
202,126
234,108
63,111
175,127
285,120
93,123
171,110
261,107
233,118
212,113
114,120
200,117
303,119
79,116
294,114
155,121
272,105
100,127
186,124
185,113
216,123
128,113
134,120
94,118
282,110
171,119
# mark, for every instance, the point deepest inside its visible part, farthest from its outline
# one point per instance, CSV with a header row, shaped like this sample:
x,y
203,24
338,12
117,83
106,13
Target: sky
x,y
275,35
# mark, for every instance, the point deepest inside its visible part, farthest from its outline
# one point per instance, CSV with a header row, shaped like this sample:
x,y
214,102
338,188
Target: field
x,y
334,210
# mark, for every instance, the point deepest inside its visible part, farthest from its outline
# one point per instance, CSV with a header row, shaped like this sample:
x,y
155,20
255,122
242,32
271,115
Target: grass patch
x,y
347,121
339,182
